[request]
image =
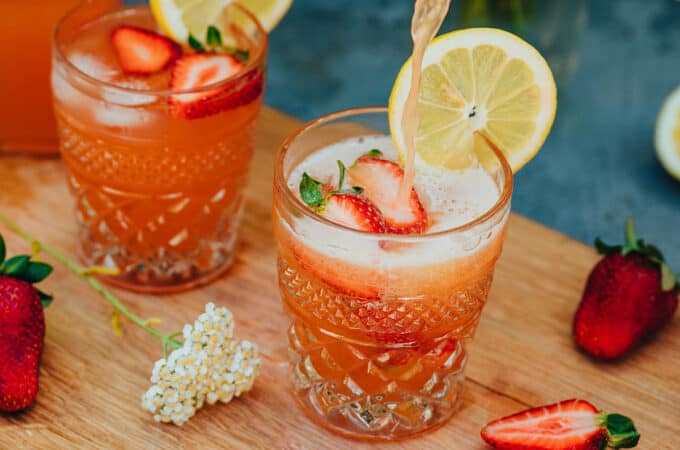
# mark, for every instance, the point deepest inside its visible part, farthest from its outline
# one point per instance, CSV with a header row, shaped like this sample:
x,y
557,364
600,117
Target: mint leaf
x,y
196,44
342,169
310,192
354,190
241,55
373,153
16,266
213,37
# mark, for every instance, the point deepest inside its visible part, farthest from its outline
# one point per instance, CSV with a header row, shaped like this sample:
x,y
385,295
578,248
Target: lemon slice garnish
x,y
477,80
179,18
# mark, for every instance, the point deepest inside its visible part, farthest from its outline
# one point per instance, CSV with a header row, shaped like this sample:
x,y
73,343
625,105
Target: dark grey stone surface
x,y
614,61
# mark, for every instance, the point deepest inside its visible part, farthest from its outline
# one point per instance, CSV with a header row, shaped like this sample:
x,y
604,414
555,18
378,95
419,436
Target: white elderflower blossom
x,y
211,366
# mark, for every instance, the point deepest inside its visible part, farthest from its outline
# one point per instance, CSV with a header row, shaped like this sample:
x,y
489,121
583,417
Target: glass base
x,y
132,282
157,267
369,419
375,394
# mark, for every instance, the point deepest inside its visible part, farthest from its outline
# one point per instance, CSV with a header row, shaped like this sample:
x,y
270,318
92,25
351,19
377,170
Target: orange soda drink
x,y
26,120
157,138
384,296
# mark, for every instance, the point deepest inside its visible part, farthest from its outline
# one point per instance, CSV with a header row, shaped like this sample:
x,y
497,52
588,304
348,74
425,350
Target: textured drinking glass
x,y
158,196
378,351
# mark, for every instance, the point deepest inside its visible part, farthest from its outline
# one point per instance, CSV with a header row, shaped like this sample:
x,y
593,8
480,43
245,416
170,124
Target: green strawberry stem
x,y
621,432
633,244
86,274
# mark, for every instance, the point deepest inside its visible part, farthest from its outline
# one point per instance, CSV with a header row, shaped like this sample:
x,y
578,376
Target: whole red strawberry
x,y
630,294
22,329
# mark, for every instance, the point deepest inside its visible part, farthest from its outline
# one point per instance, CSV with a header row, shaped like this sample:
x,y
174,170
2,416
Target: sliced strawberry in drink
x,y
143,52
568,425
200,70
354,212
380,180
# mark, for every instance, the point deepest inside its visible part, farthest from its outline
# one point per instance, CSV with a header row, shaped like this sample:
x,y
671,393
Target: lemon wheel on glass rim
x,y
477,80
179,18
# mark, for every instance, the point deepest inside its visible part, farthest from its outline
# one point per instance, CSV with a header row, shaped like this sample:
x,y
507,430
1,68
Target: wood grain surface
x,y
91,380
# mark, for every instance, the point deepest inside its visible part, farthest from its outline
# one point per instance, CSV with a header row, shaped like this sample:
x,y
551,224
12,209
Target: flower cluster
x,y
211,366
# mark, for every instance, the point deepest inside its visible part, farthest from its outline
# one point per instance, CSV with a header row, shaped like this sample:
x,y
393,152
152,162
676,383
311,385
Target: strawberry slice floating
x,y
200,70
143,52
380,179
353,212
567,425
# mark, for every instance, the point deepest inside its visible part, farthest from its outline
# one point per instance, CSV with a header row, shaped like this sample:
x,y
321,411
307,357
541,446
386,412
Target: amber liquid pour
x,y
428,16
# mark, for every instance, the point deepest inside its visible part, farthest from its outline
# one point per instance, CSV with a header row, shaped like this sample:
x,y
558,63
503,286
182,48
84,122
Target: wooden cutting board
x,y
91,380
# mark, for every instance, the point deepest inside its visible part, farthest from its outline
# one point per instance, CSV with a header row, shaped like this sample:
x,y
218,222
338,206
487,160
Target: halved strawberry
x,y
143,52
567,425
380,179
354,212
202,69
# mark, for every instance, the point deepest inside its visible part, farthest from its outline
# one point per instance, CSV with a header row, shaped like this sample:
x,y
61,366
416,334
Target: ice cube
x,y
63,90
92,66
121,116
120,97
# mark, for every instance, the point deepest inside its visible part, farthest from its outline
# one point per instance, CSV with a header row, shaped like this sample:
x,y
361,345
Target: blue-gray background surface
x,y
614,62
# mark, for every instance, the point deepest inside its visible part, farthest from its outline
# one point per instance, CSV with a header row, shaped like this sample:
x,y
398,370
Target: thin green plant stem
x,y
93,282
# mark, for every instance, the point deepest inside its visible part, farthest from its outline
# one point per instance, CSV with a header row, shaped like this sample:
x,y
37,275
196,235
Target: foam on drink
x,y
451,198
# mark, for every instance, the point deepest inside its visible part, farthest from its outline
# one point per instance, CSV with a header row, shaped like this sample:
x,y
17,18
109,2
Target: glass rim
x,y
281,184
253,62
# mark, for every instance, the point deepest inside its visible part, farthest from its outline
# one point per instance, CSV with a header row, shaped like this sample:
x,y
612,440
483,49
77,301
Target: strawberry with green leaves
x,y
567,425
22,329
343,206
629,296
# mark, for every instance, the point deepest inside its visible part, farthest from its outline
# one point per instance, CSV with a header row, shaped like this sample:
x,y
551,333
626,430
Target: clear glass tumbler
x,y
378,348
158,194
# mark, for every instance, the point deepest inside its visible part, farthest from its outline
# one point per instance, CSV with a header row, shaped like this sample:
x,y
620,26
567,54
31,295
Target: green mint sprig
x,y
214,43
311,189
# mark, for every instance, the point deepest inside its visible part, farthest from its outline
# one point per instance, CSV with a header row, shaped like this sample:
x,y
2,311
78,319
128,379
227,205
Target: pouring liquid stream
x,y
428,16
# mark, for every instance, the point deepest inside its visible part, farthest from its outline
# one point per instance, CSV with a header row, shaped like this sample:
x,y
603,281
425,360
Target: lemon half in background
x,y
667,134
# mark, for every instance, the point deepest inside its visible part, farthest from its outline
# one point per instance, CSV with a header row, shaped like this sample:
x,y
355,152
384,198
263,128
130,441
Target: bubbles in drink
x,y
451,198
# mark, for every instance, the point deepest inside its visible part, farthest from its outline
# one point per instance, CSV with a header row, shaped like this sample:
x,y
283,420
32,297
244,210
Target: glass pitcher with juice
x,y
26,120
